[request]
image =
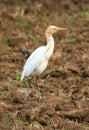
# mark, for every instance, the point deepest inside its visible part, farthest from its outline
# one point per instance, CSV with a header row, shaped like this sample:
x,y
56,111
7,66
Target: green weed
x,y
23,82
30,37
83,14
7,117
35,41
9,122
20,122
22,22
17,76
70,40
7,42
48,71
86,14
1,12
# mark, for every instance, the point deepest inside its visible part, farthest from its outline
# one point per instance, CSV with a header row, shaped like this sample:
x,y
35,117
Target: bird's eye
x,y
53,29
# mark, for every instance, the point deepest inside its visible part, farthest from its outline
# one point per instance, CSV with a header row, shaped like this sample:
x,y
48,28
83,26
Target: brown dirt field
x,y
65,104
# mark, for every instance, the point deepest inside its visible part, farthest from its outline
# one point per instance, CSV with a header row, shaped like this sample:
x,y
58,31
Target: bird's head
x,y
52,30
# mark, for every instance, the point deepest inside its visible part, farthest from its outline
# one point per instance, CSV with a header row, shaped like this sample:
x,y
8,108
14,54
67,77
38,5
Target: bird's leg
x,y
28,88
39,94
45,80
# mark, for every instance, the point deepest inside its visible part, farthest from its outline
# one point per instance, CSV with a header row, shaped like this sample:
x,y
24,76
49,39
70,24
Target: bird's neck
x,y
49,46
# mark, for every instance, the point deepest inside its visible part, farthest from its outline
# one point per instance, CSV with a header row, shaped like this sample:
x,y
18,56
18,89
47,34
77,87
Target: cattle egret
x,y
38,60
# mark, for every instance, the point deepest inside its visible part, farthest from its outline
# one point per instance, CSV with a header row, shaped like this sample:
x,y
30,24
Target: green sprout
x,y
30,37
22,22
7,117
70,40
7,42
17,76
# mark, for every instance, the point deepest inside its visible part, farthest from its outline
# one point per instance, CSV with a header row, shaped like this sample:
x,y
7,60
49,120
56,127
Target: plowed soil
x,y
65,104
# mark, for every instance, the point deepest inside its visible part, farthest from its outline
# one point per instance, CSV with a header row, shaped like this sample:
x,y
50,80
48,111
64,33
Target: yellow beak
x,y
62,29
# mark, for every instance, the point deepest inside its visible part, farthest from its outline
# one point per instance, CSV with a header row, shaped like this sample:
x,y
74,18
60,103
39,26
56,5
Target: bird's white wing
x,y
33,62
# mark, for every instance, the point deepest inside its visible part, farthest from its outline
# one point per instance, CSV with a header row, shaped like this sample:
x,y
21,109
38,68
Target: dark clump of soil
x,y
65,83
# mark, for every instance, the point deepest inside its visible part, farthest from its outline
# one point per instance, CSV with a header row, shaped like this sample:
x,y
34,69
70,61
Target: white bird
x,y
38,60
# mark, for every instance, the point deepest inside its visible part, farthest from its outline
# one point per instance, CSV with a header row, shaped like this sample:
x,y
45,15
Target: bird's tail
x,y
25,52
